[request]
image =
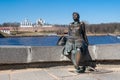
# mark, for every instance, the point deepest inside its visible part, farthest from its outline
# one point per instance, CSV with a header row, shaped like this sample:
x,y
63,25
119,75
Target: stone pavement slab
x,y
58,73
79,77
32,75
4,77
107,76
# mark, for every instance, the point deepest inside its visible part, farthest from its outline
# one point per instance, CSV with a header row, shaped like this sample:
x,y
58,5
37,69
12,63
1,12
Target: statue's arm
x,y
84,33
69,29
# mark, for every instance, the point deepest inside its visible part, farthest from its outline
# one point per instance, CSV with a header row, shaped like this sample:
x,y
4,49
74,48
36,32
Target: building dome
x,y
26,23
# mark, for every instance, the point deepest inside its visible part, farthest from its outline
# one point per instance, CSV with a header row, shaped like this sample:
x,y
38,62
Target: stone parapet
x,y
30,54
106,52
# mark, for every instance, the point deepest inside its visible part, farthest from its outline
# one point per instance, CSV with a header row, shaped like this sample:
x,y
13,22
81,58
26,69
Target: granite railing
x,y
30,54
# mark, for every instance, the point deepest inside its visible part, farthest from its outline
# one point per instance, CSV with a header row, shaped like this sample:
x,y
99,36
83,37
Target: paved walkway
x,y
59,73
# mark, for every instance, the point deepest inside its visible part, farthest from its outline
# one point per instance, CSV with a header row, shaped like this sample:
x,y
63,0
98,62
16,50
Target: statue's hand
x,y
62,41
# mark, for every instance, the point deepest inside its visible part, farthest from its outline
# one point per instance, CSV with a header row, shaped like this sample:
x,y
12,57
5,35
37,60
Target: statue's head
x,y
76,16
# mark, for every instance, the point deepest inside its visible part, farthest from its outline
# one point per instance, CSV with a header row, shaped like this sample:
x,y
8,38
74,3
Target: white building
x,y
26,23
39,23
47,26
5,30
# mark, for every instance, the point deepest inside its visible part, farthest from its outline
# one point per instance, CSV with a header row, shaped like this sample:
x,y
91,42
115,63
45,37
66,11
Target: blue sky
x,y
60,11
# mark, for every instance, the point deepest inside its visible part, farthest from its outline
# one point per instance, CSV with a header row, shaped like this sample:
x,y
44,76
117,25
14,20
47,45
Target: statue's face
x,y
75,17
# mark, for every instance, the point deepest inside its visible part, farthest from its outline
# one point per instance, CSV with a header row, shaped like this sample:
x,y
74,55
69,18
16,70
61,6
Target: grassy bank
x,y
27,34
22,34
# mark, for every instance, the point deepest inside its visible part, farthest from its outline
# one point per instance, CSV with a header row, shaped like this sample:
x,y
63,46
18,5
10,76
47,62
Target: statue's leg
x,y
76,57
67,49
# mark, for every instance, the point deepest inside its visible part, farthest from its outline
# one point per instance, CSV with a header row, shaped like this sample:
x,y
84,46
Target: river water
x,y
52,40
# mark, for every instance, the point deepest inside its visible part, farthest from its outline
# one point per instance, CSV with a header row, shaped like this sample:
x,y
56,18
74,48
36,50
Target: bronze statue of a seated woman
x,y
76,43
